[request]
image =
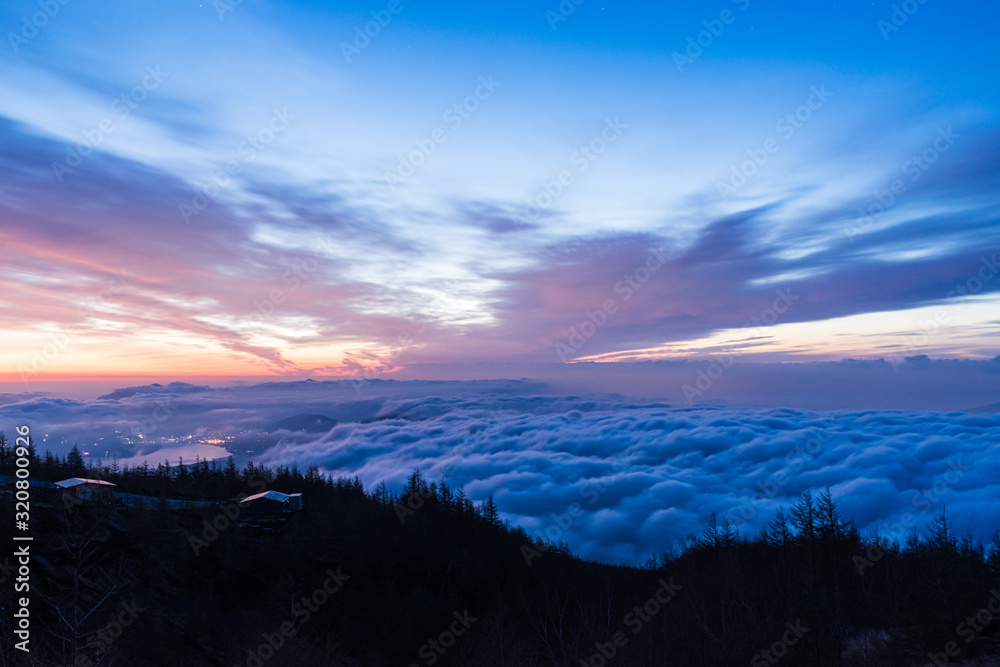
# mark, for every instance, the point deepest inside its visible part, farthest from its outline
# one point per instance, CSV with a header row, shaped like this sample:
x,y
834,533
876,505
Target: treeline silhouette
x,y
427,576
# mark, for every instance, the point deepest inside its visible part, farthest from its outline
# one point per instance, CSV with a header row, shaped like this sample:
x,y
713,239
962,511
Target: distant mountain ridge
x,y
311,423
995,407
155,388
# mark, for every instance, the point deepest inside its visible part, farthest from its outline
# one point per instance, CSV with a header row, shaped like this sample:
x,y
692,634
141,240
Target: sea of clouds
x,y
617,479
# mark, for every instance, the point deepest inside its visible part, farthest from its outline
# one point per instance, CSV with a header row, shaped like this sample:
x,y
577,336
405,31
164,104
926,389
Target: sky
x,y
267,189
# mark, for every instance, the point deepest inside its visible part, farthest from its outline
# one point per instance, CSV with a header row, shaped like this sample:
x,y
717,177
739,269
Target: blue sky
x,y
364,222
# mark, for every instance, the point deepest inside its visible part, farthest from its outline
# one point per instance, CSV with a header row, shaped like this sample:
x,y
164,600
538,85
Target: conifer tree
x,y
804,519
75,465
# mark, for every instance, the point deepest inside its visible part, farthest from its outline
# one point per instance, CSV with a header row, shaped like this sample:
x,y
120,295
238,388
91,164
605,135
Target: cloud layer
x,y
621,482
618,480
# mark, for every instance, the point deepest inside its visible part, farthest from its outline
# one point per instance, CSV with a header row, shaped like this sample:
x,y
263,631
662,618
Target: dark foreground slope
x,y
429,578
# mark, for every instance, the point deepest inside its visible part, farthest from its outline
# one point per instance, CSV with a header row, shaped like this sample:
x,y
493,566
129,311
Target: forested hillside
x,y
427,576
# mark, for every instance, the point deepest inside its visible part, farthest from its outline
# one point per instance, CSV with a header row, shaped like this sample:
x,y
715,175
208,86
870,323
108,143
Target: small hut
x,y
85,490
271,503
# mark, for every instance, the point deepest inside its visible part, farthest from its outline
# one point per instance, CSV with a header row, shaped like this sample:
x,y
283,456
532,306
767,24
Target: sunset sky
x,y
254,188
